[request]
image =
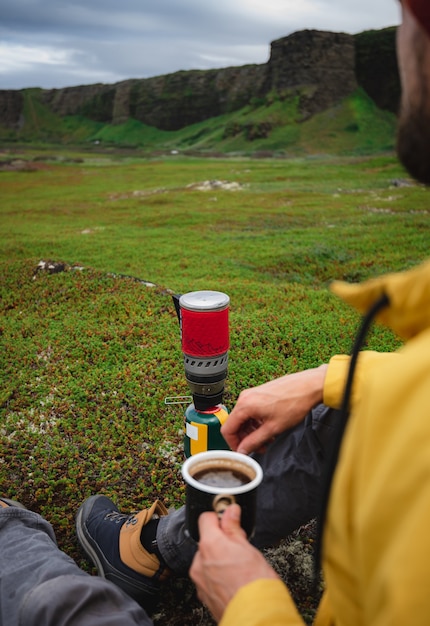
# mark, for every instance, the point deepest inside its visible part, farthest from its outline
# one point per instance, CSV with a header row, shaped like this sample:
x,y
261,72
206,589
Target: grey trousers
x,y
40,585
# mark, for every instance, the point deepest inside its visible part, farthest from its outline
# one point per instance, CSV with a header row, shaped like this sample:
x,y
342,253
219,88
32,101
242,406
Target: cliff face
x,y
94,99
177,100
11,106
320,67
376,67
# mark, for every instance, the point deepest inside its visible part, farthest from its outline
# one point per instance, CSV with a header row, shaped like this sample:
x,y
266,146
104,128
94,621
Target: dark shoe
x,y
111,540
6,503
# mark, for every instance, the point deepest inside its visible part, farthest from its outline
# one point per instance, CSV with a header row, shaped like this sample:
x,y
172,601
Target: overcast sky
x,y
61,43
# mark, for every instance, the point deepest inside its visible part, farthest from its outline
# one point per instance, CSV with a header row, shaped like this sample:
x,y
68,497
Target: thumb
x,y
230,521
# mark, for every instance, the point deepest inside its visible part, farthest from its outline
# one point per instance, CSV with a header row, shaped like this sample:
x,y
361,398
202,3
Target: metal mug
x,y
214,480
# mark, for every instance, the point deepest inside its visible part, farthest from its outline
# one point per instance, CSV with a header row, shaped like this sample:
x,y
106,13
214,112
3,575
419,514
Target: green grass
x,y
88,355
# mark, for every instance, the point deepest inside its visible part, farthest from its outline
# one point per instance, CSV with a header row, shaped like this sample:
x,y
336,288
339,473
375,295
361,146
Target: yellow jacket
x,y
376,553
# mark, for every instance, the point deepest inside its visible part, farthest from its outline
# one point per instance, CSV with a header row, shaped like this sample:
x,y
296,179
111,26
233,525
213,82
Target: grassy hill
x,y
355,126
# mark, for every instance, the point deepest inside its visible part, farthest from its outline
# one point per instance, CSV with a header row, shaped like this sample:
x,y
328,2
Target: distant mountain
x,y
314,69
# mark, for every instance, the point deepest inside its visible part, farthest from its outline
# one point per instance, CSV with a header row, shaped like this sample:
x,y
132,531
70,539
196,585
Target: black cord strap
x,y
333,454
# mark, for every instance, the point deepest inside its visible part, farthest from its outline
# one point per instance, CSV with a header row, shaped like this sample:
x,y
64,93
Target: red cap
x,y
421,10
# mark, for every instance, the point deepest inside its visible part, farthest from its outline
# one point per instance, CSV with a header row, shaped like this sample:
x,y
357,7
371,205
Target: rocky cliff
x,y
320,68
168,102
11,109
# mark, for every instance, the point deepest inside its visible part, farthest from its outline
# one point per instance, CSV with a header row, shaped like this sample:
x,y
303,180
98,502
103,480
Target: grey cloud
x,y
108,41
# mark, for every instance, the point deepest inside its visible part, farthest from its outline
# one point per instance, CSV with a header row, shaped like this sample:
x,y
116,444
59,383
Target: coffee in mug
x,y
217,478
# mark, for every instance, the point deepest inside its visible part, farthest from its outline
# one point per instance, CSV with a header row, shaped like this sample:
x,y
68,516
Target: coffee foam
x,y
223,464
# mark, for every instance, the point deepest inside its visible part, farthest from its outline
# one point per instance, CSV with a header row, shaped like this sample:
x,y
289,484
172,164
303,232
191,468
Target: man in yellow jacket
x,y
376,542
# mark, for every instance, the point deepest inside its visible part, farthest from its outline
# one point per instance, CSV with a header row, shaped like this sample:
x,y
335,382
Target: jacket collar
x,y
409,293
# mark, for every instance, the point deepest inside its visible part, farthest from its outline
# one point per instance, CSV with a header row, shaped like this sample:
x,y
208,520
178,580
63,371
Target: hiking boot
x,y
112,541
5,503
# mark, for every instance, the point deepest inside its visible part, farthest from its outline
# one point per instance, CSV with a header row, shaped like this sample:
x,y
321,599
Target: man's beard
x,y
413,144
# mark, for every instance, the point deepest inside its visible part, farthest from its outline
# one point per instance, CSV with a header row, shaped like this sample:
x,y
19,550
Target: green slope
x,y
355,126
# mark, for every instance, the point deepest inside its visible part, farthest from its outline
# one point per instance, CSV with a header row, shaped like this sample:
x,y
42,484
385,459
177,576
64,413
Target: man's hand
x,y
263,412
225,560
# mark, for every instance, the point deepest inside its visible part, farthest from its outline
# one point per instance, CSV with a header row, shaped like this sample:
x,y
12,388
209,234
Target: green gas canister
x,y
203,429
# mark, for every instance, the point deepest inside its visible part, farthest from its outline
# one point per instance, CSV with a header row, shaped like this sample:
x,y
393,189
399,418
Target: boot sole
x,y
81,532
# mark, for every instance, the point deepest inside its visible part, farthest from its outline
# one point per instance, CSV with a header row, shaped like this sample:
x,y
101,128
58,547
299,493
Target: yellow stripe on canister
x,y
199,438
221,415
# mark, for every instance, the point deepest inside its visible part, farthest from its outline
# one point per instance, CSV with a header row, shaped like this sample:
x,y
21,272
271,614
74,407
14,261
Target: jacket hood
x,y
409,293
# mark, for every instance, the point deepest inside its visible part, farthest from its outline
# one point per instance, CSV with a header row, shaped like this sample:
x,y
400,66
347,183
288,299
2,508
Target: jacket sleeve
x,y
334,384
262,603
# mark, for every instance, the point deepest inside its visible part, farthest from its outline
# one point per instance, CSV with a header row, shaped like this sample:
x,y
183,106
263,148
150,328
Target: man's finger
x,y
231,429
256,440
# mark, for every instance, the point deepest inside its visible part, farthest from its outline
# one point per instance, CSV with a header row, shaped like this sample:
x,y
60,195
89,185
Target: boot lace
x,y
117,517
